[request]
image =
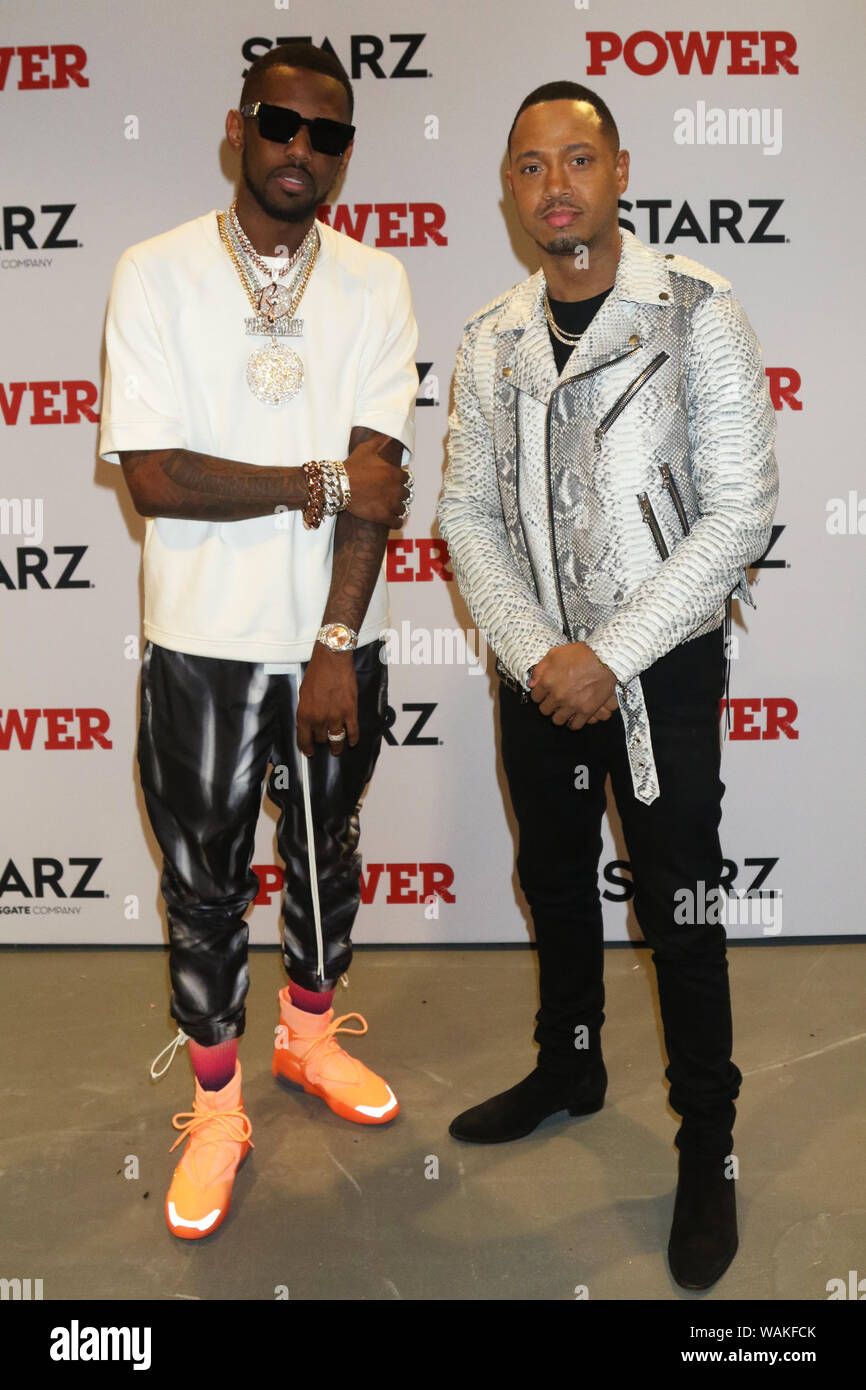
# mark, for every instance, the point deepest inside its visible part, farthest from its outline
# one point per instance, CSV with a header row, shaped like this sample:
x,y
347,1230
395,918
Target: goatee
x,y
563,245
299,212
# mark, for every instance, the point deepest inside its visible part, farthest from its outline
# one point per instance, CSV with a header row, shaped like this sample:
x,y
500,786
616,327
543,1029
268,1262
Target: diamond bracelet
x,y
337,492
330,492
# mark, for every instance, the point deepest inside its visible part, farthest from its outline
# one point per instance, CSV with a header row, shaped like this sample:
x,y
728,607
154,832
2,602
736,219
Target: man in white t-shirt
x,y
259,394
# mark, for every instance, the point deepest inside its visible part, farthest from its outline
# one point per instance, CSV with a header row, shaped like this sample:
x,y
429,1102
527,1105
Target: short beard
x,y
563,245
301,212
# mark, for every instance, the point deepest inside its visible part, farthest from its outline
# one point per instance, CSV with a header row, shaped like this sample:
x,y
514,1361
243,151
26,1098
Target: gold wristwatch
x,y
338,637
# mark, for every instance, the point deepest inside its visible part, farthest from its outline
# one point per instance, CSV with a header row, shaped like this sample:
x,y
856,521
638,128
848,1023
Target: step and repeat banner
x,y
739,116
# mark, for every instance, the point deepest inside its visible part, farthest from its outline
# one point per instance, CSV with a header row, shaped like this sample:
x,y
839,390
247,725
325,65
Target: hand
x,y
328,701
603,712
379,490
572,686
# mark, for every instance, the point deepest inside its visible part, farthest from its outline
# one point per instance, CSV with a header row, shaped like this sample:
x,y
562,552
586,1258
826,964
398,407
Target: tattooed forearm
x,y
199,487
358,550
359,547
245,482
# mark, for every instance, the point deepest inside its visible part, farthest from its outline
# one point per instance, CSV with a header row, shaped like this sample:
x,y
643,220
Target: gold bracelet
x,y
314,511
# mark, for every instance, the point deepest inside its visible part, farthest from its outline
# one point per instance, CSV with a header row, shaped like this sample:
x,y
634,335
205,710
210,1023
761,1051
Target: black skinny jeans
x,y
672,844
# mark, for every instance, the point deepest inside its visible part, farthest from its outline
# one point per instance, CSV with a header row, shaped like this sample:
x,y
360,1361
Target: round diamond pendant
x,y
275,373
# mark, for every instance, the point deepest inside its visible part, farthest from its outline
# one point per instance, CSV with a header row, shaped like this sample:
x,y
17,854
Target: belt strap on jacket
x,y
638,740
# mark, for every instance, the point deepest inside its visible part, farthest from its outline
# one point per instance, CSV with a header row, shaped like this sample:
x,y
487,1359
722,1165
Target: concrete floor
x,y
331,1210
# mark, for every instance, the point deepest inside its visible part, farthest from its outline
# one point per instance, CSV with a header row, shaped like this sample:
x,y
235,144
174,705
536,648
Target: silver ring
x,y
336,738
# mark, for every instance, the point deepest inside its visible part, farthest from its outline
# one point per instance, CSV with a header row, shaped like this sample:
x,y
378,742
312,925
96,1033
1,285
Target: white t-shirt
x,y
175,377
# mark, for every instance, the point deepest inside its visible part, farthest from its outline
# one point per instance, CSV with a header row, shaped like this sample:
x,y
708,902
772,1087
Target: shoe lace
x,y
175,1043
327,1042
232,1126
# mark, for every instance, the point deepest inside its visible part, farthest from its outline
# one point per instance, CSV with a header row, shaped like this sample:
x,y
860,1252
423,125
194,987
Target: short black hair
x,y
570,91
297,55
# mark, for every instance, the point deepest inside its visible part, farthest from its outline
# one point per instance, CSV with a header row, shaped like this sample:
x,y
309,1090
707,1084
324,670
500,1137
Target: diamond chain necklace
x,y
253,254
275,373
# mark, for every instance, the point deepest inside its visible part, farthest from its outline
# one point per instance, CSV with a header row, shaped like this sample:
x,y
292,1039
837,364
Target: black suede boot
x,y
704,1232
517,1112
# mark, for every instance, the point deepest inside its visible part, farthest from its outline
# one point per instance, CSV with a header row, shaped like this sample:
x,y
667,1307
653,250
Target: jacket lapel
x,y
506,448
533,368
525,362
642,287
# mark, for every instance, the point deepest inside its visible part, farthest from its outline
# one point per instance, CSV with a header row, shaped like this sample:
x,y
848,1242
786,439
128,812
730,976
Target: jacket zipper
x,y
667,479
517,493
619,405
650,519
568,382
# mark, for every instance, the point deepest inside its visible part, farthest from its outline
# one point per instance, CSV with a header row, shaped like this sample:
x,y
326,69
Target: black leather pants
x,y
209,728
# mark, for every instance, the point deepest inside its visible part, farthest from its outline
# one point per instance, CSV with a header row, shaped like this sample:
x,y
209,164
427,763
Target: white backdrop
x,y
113,128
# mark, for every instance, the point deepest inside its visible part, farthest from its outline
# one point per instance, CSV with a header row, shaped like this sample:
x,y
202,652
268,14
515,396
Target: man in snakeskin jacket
x,y
610,477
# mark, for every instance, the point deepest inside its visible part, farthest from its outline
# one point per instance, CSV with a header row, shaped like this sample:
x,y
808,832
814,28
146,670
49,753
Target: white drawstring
x,y
311,849
311,854
174,1045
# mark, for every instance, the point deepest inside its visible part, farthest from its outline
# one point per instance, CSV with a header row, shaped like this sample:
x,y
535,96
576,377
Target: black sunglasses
x,y
281,124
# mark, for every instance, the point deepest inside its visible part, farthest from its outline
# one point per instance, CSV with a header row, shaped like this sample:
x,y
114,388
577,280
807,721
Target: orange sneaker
x,y
219,1140
307,1054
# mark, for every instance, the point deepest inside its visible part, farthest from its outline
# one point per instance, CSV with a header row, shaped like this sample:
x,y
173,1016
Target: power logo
x,y
433,560
762,719
647,53
784,383
93,727
435,880
80,399
427,221
407,883
65,63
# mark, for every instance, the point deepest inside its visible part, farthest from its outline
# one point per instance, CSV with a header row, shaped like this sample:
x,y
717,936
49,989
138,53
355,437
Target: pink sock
x,y
308,1000
214,1066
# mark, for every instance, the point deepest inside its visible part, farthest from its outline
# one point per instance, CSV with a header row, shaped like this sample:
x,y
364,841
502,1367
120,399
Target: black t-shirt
x,y
572,318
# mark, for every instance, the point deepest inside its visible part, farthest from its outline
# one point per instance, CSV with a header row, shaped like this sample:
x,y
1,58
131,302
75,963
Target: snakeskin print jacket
x,y
619,503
